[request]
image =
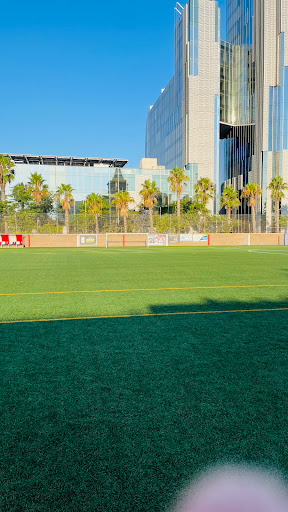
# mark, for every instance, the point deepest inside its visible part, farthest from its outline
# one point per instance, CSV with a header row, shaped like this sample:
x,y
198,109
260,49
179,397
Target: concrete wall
x,y
228,239
116,240
243,239
267,239
71,240
51,240
220,239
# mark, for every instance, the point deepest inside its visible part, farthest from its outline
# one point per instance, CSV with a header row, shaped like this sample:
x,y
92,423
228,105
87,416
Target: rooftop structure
x,y
71,161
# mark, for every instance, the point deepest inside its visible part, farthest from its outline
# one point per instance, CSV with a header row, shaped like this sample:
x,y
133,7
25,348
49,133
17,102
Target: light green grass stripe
x,y
143,315
146,289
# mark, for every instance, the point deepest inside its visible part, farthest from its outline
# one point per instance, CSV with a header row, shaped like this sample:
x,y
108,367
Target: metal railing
x,y
25,222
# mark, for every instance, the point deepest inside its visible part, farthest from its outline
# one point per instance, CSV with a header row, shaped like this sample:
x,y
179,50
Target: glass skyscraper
x,y
183,124
224,114
164,135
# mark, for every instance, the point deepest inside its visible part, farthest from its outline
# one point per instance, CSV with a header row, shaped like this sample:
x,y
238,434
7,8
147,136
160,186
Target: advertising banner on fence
x,y
186,238
173,239
157,240
87,240
200,238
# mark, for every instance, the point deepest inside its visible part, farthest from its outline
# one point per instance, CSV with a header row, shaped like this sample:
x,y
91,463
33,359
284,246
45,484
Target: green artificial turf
x,y
117,414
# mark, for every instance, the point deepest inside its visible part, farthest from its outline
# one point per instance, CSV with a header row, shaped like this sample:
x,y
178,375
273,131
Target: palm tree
x,y
38,187
229,199
253,193
122,200
177,179
149,193
95,204
7,174
65,197
204,190
277,187
38,190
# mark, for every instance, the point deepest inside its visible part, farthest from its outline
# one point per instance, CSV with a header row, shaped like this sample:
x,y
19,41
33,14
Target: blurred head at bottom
x,y
234,489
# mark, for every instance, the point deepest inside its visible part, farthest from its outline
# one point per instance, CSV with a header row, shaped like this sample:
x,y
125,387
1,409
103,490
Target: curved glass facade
x,y
237,85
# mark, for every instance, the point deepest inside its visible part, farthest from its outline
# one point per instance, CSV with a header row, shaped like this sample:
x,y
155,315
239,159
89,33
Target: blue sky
x,y
78,77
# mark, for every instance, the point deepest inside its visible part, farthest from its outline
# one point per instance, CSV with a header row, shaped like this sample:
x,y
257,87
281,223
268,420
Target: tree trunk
x,y
178,205
3,199
2,186
3,195
37,216
277,214
125,223
229,213
67,221
199,222
97,224
5,225
253,219
151,220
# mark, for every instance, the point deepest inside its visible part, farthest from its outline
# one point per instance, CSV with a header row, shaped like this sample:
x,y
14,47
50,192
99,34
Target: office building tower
x,y
224,114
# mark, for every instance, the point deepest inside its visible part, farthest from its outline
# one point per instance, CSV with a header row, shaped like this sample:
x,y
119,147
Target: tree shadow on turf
x,y
117,414
209,306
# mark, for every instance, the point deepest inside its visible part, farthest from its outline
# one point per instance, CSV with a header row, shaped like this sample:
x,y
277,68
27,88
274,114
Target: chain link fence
x,y
24,222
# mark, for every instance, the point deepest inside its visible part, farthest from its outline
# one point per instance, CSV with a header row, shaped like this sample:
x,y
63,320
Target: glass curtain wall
x,y
278,116
239,21
105,181
193,36
237,85
164,130
237,93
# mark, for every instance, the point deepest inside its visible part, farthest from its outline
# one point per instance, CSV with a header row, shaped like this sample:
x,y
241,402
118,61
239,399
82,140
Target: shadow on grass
x,y
221,306
116,414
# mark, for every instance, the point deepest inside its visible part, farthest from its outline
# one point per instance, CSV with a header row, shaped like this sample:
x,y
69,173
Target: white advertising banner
x,y
157,240
87,240
186,238
200,238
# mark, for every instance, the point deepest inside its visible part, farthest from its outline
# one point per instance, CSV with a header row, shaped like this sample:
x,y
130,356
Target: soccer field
x,y
126,371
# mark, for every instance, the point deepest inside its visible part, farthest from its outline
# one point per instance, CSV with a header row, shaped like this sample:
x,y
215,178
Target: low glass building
x,y
102,176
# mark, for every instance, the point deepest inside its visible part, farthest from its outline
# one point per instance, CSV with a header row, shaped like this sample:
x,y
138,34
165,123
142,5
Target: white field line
x,y
258,251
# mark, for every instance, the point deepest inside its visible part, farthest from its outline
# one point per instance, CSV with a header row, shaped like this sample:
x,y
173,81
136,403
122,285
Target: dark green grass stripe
x,y
143,315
